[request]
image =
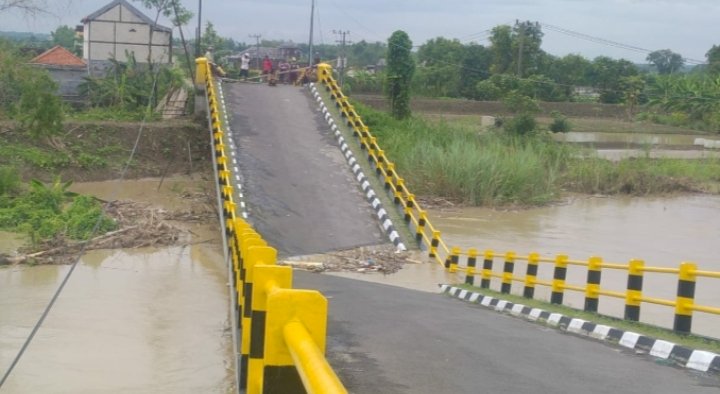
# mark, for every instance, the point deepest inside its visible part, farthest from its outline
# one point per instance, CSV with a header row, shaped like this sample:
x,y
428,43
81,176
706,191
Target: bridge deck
x,y
384,339
301,195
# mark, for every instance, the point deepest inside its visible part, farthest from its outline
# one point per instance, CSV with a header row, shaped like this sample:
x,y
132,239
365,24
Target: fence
x,y
427,235
282,330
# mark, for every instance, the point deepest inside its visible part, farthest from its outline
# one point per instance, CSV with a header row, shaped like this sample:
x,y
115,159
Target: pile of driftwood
x,y
139,225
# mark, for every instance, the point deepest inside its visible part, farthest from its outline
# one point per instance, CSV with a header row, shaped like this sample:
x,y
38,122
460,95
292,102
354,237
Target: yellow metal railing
x,y
428,235
283,330
414,215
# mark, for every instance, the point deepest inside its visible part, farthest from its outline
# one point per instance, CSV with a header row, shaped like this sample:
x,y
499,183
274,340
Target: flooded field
x,y
128,321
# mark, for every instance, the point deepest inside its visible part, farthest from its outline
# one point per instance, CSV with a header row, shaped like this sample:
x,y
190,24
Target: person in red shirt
x,y
267,66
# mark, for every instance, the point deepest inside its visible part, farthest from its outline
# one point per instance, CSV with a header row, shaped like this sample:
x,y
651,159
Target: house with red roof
x,y
68,70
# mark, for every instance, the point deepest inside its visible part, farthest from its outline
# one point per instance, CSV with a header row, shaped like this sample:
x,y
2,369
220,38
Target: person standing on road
x,y
245,66
267,67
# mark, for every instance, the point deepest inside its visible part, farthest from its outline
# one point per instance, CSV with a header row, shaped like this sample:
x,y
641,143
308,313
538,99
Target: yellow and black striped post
x,y
531,275
246,323
592,288
487,269
267,279
293,314
420,230
453,260
633,295
685,297
558,283
508,269
434,243
471,264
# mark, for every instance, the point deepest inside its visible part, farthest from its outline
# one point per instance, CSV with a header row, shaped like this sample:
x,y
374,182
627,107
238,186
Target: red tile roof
x,y
58,56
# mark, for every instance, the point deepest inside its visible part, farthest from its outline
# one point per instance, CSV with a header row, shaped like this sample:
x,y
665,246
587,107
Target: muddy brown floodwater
x,y
128,321
663,232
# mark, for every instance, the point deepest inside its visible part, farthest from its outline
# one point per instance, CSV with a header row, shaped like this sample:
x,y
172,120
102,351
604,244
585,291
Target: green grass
x,y
692,341
641,176
450,158
453,161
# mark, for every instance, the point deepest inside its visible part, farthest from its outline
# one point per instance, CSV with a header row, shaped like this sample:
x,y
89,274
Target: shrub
x,y
520,124
560,123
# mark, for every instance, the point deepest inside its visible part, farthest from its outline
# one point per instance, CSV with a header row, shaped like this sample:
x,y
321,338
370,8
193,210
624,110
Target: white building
x,y
118,29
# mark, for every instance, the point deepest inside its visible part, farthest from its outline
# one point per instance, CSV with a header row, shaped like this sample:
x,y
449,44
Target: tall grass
x,y
448,160
640,176
451,160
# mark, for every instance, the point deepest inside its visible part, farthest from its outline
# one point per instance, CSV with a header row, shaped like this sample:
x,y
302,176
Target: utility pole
x,y
199,29
257,48
312,19
343,59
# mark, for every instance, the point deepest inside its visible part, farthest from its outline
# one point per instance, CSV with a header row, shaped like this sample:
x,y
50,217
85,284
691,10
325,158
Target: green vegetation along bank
x,y
451,160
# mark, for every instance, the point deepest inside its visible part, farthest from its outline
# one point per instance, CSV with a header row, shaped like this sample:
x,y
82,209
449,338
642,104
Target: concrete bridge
x,y
289,184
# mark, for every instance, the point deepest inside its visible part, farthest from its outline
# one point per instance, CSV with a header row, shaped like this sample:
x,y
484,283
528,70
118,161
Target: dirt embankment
x,y
496,108
99,150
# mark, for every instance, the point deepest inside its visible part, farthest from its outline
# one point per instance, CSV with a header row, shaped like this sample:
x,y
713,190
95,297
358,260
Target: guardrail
x,y
426,234
413,214
283,330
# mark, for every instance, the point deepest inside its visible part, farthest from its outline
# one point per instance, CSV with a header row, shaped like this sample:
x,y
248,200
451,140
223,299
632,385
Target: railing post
x,y
558,283
487,269
634,290
453,260
420,230
508,269
268,278
685,298
434,244
531,275
284,307
254,250
592,286
471,263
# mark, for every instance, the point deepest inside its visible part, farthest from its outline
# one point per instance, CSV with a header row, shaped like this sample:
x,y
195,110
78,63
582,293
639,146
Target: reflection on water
x,y
629,138
661,231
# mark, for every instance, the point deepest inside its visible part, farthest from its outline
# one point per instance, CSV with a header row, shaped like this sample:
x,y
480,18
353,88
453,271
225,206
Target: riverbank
x,y
43,197
450,159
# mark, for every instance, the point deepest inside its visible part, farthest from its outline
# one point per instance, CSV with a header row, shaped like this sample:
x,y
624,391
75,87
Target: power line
x,y
603,41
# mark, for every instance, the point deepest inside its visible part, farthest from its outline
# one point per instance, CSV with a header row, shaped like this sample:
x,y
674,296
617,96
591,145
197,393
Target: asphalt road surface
x,y
300,193
386,339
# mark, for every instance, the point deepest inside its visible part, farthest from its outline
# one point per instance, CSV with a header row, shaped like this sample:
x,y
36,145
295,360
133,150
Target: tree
x,y
172,9
713,58
476,63
501,48
526,41
633,87
400,70
440,51
28,94
65,37
606,73
666,61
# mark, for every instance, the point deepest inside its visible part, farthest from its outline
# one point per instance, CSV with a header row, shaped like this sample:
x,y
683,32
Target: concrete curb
x,y
698,360
233,155
370,194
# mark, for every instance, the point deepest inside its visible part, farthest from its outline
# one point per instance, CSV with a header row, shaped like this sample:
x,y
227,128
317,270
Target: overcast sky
x,y
689,27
